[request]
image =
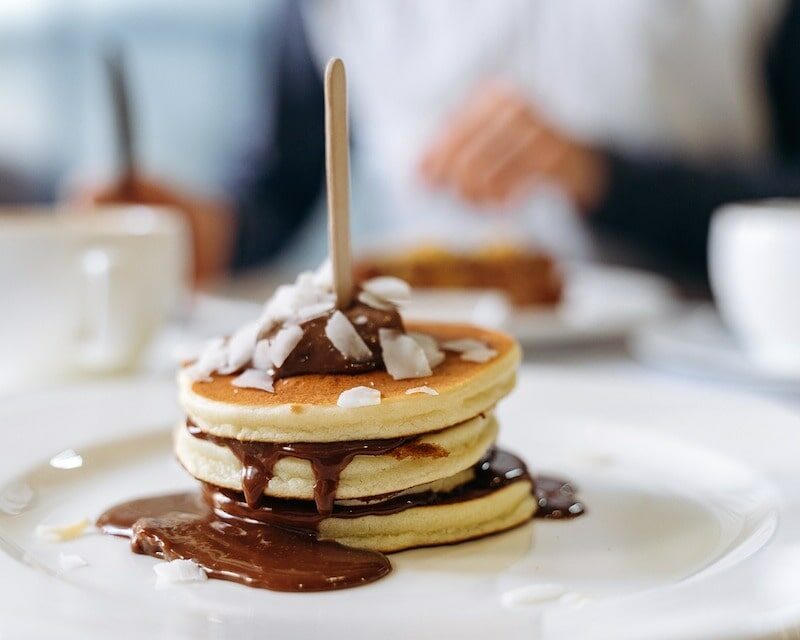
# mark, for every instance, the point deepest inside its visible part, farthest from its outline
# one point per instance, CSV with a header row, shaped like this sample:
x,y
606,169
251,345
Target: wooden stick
x,y
337,164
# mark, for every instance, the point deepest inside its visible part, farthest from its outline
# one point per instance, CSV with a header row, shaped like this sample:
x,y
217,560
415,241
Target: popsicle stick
x,y
337,164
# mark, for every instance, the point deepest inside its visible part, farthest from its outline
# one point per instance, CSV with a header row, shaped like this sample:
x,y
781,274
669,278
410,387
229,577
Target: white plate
x,y
600,303
685,491
696,343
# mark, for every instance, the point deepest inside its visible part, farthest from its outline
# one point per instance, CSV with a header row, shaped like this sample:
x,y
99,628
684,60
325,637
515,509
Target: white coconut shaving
x,y
298,302
532,594
178,572
346,339
359,397
371,300
62,532
314,311
15,498
423,389
67,459
402,355
430,346
213,358
462,345
362,319
323,276
471,350
261,357
240,347
388,288
283,343
254,379
479,355
71,561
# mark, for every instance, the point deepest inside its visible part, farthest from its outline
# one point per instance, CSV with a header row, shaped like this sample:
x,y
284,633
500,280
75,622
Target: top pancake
x,y
304,409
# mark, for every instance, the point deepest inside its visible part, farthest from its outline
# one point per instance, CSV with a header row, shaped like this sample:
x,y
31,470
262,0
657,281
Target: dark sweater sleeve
x,y
665,205
281,180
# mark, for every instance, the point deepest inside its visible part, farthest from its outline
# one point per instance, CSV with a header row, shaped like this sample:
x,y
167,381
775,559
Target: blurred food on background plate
x,y
527,276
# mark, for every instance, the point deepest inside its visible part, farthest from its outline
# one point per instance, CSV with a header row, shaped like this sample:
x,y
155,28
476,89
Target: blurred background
x,y
518,147
193,68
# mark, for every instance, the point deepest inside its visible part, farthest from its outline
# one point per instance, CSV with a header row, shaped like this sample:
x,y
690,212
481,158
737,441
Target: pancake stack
x,y
384,448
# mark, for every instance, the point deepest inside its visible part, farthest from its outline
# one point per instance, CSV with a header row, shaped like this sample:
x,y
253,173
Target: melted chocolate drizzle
x,y
328,460
316,354
275,546
181,526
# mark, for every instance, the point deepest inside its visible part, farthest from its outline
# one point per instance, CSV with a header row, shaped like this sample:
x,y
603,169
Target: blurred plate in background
x,y
697,344
600,303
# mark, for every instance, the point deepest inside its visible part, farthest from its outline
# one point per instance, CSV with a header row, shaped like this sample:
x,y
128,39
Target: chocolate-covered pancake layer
x,y
343,470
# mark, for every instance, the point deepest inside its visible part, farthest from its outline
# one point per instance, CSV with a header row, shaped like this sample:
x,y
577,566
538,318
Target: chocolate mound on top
x,y
315,353
301,332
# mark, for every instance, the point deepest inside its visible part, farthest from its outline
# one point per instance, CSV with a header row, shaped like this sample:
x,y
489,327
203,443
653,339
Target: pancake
x,y
304,409
431,525
498,494
425,459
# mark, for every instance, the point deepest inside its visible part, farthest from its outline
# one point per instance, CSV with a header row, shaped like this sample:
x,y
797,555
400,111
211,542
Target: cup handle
x,y
109,333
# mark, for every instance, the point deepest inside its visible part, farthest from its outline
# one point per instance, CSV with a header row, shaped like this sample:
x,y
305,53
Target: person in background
x,y
636,118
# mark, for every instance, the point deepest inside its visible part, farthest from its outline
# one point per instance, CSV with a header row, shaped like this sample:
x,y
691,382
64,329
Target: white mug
x,y
84,290
754,265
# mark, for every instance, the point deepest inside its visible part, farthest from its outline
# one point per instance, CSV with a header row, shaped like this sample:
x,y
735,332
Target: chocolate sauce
x,y
275,545
316,354
557,498
180,526
328,460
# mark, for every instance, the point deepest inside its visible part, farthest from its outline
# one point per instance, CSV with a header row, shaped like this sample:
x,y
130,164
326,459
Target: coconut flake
x,y
62,532
359,397
479,355
323,276
67,459
374,301
362,319
278,308
316,310
403,357
532,594
422,389
15,498
346,339
307,295
387,288
462,345
284,343
178,572
471,350
71,561
261,357
429,345
240,347
214,357
254,379
307,292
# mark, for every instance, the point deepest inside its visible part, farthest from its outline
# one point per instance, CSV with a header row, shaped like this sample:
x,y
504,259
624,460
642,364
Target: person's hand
x,y
210,221
497,148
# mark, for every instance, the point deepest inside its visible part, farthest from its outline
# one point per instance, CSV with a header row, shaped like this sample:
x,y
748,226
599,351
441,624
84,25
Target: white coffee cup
x,y
754,265
84,290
